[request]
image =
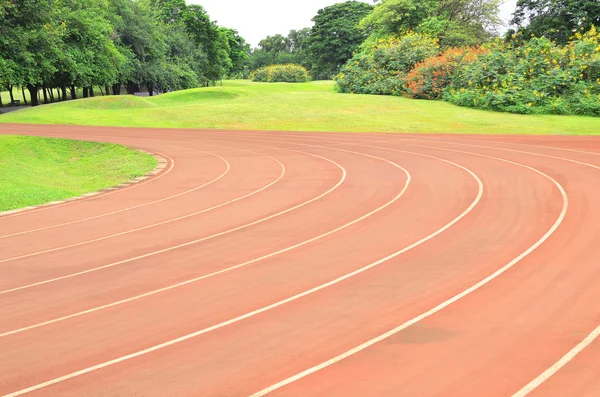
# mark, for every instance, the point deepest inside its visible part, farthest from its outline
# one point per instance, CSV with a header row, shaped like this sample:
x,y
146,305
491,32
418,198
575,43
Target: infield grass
x,y
40,170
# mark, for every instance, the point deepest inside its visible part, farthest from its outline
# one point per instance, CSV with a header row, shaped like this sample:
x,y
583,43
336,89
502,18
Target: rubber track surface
x,y
312,264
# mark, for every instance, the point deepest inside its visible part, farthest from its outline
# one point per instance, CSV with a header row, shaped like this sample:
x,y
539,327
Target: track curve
x,y
321,264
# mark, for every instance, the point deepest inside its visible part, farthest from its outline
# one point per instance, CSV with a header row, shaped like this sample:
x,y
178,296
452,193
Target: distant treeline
x,y
158,45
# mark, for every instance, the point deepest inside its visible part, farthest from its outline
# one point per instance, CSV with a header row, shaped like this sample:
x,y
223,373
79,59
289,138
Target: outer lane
x,y
226,363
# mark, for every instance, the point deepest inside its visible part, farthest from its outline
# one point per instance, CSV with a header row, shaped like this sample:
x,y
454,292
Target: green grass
x,y
313,106
40,170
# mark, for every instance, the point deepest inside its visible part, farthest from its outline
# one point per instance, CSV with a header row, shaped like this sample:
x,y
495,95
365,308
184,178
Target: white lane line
x,y
227,169
118,211
150,180
229,269
454,142
264,309
442,305
193,242
544,376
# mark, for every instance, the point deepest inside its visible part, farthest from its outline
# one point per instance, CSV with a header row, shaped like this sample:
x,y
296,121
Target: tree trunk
x,y
24,97
107,89
116,89
92,91
101,91
64,93
52,94
150,90
73,92
45,95
10,91
33,92
85,92
1,105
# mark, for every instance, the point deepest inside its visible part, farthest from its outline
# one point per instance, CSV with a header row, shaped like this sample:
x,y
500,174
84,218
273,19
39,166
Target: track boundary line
x,y
258,311
163,222
440,306
189,243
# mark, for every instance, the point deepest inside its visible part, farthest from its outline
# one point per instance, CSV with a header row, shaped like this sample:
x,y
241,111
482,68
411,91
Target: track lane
x,y
419,216
328,381
219,337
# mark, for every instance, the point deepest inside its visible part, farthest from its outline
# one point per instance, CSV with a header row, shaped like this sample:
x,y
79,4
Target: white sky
x,y
257,19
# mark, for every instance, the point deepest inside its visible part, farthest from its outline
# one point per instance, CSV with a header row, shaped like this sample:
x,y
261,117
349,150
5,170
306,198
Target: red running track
x,y
312,264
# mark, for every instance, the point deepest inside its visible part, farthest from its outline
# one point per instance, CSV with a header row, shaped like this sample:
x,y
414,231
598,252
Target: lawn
x,y
313,106
40,170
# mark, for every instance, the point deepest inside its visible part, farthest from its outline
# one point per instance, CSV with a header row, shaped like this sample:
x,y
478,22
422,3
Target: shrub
x,y
289,73
380,67
428,79
532,77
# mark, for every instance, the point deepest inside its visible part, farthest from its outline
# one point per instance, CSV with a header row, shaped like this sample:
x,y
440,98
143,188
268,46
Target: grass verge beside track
x,y
314,106
39,170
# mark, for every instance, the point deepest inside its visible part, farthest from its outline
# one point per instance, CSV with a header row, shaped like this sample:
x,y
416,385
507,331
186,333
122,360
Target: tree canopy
x,y
453,22
556,19
160,45
335,36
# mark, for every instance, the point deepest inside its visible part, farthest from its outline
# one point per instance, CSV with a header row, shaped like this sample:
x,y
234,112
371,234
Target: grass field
x,y
40,170
313,106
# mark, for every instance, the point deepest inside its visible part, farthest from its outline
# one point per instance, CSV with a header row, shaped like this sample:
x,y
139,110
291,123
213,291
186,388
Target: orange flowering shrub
x,y
428,79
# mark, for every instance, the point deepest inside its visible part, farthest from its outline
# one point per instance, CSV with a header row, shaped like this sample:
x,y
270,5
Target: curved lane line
x,y
544,376
283,170
128,208
595,333
264,309
442,305
229,269
155,178
189,243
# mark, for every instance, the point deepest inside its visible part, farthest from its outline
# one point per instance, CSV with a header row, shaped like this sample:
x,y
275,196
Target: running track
x,y
309,264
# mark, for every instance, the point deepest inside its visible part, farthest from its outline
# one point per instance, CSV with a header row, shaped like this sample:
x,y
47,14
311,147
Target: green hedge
x,y
290,73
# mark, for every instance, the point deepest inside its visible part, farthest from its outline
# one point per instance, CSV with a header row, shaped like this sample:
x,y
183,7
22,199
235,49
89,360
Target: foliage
x,y
280,50
533,77
429,79
335,36
556,19
381,67
161,45
453,22
289,73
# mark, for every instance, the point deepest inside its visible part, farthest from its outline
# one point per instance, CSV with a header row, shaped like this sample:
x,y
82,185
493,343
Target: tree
x,y
556,19
335,36
453,22
239,53
297,39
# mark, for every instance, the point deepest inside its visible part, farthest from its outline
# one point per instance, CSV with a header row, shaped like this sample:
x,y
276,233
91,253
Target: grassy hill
x,y
313,106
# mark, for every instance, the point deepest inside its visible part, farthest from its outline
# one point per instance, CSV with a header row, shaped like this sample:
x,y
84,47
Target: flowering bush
x,y
290,73
380,68
428,79
532,77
